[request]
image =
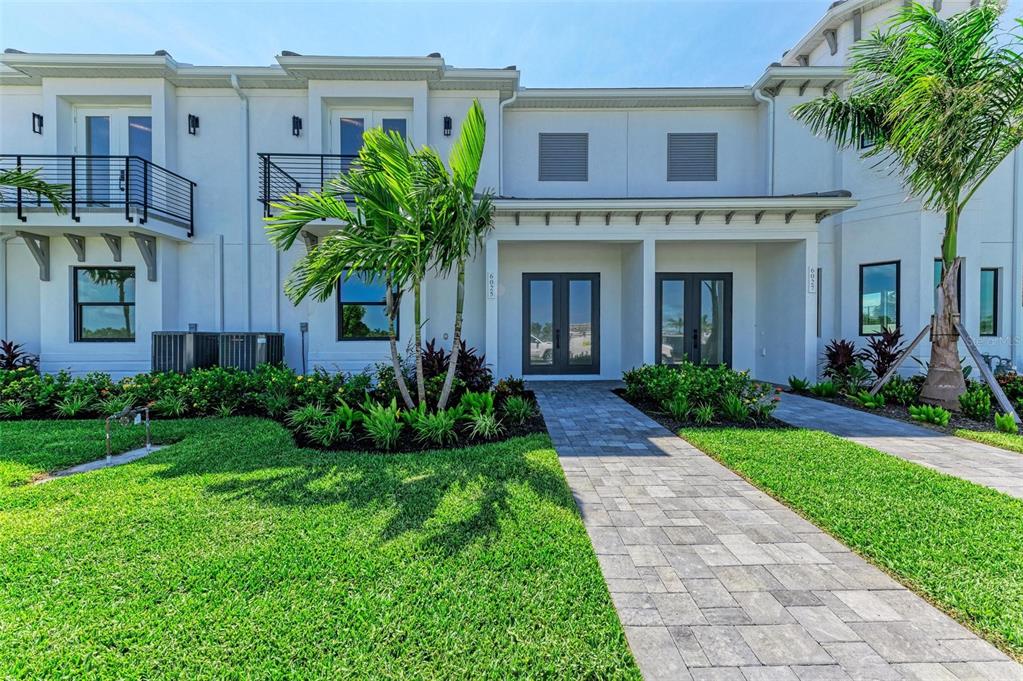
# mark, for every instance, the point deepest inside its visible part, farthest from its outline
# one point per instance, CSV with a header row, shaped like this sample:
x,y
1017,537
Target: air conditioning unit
x,y
247,350
183,351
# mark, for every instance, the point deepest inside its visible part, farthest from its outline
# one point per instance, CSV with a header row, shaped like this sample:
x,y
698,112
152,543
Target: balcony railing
x,y
143,189
282,174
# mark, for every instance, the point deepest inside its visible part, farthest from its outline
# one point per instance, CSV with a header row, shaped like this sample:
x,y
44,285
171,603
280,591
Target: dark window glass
x,y
397,125
104,299
140,137
362,309
879,297
673,320
937,283
351,136
989,302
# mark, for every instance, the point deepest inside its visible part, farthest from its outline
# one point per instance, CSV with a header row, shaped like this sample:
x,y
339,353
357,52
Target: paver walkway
x,y
979,463
713,579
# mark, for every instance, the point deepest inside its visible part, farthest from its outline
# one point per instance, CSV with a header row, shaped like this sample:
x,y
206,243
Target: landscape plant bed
x,y
654,411
900,412
1007,441
953,541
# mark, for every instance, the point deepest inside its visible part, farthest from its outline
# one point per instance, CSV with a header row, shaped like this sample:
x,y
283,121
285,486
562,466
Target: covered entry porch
x,y
580,292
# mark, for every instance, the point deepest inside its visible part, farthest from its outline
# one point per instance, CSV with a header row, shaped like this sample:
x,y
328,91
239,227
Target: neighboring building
x,y
633,225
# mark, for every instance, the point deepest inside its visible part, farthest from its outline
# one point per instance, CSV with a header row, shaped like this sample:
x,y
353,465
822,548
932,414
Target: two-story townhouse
x,y
632,225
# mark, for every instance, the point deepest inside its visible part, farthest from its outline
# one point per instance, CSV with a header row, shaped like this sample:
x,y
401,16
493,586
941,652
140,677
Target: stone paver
x,y
973,461
713,579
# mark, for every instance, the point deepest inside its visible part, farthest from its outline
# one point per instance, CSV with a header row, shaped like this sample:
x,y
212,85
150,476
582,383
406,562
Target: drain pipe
x,y
3,285
500,142
247,175
1017,244
758,94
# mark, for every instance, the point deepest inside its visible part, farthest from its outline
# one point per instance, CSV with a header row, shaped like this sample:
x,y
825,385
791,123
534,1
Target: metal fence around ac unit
x,y
183,351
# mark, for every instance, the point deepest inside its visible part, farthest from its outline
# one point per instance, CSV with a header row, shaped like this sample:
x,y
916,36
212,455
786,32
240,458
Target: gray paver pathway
x,y
979,463
713,579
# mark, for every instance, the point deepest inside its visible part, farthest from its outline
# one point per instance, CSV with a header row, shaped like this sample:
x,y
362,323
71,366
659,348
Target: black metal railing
x,y
283,174
141,188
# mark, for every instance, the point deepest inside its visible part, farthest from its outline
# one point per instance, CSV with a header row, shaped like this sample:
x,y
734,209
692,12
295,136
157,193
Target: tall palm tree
x,y
28,180
461,217
371,240
943,101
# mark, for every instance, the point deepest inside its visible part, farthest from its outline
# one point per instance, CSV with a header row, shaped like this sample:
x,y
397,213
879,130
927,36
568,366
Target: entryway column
x,y
491,280
649,300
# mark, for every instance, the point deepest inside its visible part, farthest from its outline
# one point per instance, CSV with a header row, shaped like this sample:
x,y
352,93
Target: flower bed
x,y
688,394
323,410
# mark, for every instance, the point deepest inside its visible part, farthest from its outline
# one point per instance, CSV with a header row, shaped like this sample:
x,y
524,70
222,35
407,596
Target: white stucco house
x,y
632,226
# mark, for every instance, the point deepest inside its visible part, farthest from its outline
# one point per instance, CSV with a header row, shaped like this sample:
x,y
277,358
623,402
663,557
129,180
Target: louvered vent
x,y
693,157
564,156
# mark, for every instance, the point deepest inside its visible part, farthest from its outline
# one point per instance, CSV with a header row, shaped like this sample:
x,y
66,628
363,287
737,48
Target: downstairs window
x,y
104,304
362,309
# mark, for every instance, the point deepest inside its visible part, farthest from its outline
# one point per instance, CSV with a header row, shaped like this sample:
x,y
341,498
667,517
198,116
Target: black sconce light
x,y
447,126
37,123
296,126
193,124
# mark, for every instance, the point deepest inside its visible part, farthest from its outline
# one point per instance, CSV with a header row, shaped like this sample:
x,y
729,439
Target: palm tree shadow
x,y
451,499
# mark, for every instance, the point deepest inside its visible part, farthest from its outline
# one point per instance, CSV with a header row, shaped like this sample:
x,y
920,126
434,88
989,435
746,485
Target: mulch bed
x,y
654,411
901,413
409,443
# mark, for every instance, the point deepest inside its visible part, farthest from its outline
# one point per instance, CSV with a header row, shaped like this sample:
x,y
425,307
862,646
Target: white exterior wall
x,y
228,277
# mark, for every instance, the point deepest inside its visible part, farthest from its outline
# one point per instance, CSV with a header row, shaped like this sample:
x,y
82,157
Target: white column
x,y
649,331
491,279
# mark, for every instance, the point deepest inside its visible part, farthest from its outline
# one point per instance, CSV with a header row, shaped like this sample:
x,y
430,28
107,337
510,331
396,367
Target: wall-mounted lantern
x,y
193,124
37,123
296,126
447,126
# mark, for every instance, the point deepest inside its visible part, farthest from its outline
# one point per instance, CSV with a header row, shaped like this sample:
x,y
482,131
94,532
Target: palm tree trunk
x,y
456,339
399,376
945,382
420,380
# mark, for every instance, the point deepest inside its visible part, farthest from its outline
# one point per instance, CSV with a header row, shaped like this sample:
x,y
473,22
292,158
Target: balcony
x,y
143,190
282,174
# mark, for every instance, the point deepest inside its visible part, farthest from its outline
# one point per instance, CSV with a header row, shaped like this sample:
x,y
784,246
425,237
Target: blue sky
x,y
555,44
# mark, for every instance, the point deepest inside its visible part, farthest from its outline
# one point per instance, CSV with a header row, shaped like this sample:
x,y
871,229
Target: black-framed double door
x,y
694,317
561,323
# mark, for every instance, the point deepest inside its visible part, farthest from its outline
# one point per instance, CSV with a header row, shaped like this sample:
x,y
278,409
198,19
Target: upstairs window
x,y
104,302
693,157
564,156
879,298
362,309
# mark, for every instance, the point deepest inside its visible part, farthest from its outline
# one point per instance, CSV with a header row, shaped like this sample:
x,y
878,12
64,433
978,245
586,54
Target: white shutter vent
x,y
564,156
693,157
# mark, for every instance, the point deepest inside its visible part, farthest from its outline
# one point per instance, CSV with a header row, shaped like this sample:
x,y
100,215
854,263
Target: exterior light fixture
x,y
296,126
447,126
37,123
193,124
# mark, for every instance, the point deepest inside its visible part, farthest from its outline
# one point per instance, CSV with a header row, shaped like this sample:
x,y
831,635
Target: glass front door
x,y
694,318
561,323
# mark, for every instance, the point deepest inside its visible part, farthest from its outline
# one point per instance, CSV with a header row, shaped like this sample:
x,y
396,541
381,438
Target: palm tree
x,y
942,99
370,242
28,180
461,217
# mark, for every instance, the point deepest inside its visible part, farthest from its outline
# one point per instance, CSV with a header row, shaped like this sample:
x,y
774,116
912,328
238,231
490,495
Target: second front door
x,y
694,318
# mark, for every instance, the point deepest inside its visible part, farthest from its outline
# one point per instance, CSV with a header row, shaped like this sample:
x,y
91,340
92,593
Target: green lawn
x,y
235,554
1008,441
958,543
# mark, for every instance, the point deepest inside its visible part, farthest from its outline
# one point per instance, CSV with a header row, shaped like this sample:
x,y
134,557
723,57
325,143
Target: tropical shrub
x,y
868,401
484,425
471,370
799,385
976,402
900,391
437,428
1012,385
477,403
856,379
839,356
882,351
678,406
824,389
382,423
704,415
13,356
13,409
929,413
1005,423
734,409
73,406
335,428
509,387
517,409
171,405
305,416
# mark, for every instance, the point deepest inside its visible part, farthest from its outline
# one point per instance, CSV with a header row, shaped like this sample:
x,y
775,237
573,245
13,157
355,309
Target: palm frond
x,y
29,181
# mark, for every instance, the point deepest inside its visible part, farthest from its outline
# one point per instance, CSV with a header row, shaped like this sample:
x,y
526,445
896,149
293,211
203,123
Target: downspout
x,y
3,285
247,176
758,94
1017,244
500,142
